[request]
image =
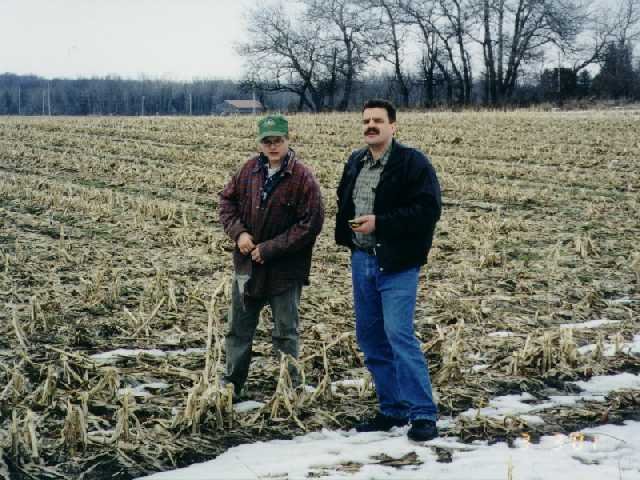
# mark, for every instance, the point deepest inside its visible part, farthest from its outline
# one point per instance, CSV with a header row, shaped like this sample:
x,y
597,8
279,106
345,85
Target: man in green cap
x,y
273,211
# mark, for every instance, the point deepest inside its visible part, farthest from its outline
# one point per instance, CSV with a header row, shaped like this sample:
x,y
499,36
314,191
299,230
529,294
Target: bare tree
x,y
348,30
618,22
445,27
390,41
421,13
514,33
320,53
286,55
455,30
627,21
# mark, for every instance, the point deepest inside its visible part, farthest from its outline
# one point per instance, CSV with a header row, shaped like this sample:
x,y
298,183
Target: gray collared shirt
x,y
364,193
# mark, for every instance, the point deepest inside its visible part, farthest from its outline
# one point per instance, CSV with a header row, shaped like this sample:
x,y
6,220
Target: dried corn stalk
x,y
45,394
74,431
453,348
23,437
108,385
203,399
128,426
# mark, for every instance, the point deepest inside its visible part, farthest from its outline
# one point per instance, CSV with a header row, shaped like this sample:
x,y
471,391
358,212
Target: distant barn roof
x,y
245,103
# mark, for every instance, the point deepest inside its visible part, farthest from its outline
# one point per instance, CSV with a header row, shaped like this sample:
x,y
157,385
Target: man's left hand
x,y
367,224
255,255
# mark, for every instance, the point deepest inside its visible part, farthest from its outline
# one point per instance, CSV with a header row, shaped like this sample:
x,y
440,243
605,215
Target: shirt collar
x,y
286,165
382,160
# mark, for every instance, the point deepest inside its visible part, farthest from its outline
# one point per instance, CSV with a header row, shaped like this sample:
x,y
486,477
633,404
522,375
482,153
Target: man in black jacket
x,y
388,206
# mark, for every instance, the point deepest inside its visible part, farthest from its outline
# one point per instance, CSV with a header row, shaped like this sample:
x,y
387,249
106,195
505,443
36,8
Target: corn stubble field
x,y
110,239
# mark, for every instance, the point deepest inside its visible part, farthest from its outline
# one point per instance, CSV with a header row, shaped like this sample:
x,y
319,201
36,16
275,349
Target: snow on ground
x,y
595,389
480,367
141,390
609,451
590,324
604,384
502,334
243,407
113,355
610,349
622,301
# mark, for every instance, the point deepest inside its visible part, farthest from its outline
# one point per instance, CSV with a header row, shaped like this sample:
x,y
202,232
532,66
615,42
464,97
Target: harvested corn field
x,y
115,276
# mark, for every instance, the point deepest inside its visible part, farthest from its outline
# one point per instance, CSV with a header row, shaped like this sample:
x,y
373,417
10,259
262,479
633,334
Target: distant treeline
x,y
32,95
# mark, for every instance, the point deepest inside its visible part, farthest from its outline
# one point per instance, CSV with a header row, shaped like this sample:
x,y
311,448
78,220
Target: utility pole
x,y
49,98
253,105
559,78
190,104
44,94
142,107
19,101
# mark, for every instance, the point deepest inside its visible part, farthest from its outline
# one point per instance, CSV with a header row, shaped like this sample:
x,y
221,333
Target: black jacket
x,y
407,206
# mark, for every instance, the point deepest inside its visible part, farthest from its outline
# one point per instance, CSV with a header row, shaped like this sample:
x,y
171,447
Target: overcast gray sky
x,y
174,39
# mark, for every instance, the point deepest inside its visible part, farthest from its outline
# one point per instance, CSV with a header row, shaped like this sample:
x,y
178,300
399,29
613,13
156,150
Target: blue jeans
x,y
385,306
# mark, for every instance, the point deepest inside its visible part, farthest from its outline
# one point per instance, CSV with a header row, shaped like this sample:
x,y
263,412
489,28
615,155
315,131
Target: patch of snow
x,y
532,419
590,324
622,301
243,407
632,348
113,355
141,390
605,384
610,451
502,334
349,382
505,405
595,389
479,368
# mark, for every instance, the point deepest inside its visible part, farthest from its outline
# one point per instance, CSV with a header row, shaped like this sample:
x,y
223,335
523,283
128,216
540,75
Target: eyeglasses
x,y
277,141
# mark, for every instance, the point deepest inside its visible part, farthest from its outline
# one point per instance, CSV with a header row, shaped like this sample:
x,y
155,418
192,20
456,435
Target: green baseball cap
x,y
272,126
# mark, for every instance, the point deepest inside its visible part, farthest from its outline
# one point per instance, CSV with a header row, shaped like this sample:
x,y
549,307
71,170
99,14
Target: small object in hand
x,y
354,224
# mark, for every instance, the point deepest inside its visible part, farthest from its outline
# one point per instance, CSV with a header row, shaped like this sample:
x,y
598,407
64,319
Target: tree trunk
x,y
489,58
348,81
400,78
500,73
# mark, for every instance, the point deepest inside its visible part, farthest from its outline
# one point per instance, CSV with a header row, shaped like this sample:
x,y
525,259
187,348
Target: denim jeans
x,y
384,307
242,324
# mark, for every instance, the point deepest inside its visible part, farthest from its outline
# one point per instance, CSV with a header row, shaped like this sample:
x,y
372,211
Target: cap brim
x,y
271,134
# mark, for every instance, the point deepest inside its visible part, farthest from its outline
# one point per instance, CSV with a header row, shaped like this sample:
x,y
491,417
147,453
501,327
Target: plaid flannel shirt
x,y
364,193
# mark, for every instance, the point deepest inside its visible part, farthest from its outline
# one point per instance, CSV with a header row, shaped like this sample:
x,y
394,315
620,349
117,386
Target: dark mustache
x,y
372,130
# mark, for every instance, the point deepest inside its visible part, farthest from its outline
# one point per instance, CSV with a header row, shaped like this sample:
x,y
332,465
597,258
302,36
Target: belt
x,y
368,250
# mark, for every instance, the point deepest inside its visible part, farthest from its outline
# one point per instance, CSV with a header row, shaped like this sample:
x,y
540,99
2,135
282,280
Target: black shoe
x,y
381,423
422,430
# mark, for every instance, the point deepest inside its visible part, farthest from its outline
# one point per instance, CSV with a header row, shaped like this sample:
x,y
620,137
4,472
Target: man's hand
x,y
255,255
367,224
245,243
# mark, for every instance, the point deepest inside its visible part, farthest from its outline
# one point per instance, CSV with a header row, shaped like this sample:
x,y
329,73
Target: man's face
x,y
376,127
274,148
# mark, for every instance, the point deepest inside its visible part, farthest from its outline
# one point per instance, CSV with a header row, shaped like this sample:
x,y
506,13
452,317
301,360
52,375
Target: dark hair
x,y
380,103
